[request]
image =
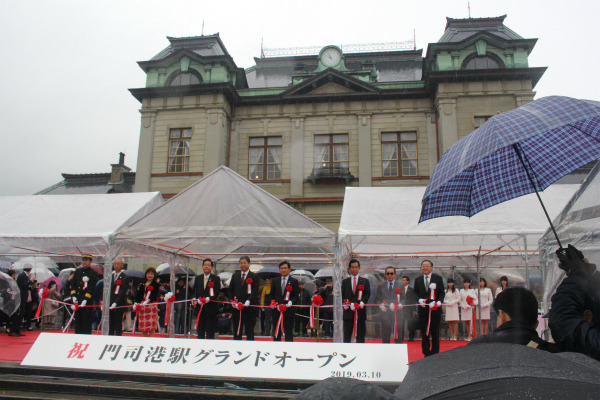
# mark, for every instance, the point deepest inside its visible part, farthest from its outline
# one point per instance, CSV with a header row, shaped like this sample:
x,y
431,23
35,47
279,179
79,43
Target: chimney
x,y
116,175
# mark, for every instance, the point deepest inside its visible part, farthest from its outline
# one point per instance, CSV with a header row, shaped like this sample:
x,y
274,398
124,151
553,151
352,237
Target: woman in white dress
x,y
503,285
467,309
451,300
485,294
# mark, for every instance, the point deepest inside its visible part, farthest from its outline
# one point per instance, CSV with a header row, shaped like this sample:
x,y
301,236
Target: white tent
x,y
68,225
224,214
578,224
380,226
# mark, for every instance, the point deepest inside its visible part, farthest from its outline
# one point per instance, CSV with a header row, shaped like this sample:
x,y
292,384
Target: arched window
x,y
181,78
489,61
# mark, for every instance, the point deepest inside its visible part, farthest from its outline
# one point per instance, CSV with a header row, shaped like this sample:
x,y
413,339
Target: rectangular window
x,y
265,158
480,120
331,153
399,154
179,150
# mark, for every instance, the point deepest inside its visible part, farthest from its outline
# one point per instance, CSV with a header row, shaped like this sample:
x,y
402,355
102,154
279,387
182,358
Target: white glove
x,y
432,304
247,303
207,299
83,303
345,306
439,303
382,307
352,306
113,305
362,305
289,303
399,306
422,302
392,307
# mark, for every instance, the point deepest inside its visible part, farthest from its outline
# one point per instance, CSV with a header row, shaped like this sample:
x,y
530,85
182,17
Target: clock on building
x,y
331,56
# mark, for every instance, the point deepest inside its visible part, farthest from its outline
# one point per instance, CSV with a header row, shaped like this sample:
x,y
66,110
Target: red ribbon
x,y
360,292
45,294
281,308
199,312
240,307
316,301
118,284
474,324
249,284
211,291
170,301
356,307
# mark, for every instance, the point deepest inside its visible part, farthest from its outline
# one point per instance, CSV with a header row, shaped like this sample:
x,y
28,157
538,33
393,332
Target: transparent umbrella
x,y
45,262
10,296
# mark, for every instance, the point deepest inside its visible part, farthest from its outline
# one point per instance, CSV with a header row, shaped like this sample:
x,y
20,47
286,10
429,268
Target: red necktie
x,y
354,285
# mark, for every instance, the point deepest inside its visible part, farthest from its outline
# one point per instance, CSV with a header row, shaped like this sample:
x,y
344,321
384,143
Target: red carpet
x,y
14,349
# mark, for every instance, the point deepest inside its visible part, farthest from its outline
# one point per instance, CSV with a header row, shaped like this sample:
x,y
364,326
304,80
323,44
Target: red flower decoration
x,y
150,288
470,300
398,290
289,288
211,284
282,307
119,282
249,281
361,287
317,300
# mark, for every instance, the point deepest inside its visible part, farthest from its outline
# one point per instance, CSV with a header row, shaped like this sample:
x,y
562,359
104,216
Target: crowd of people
x,y
281,306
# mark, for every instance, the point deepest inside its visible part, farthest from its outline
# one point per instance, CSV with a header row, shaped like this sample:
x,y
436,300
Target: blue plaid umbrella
x,y
513,154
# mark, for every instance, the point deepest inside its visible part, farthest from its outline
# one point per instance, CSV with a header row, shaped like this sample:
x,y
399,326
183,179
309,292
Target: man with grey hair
x,y
118,297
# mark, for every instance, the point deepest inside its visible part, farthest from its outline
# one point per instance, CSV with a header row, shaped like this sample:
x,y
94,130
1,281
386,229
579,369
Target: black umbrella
x,y
501,371
268,272
135,274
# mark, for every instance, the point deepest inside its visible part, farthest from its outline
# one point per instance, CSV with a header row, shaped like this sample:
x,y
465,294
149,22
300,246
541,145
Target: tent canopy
x,y
578,224
223,215
382,223
68,225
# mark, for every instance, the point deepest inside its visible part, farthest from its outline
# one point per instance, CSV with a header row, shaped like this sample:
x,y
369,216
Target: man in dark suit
x,y
244,290
118,298
409,315
24,283
355,293
430,300
207,289
84,283
391,310
285,292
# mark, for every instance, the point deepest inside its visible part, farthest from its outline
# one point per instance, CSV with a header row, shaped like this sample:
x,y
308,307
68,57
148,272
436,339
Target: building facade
x,y
303,127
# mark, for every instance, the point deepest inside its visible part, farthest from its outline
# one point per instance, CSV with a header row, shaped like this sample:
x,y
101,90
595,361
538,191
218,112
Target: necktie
x,y
426,282
243,277
391,287
205,280
283,286
354,285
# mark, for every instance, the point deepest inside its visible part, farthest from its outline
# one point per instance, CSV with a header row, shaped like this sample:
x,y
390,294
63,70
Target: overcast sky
x,y
65,66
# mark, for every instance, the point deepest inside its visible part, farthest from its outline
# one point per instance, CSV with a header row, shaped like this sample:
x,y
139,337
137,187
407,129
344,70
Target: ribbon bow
x,y
169,298
316,301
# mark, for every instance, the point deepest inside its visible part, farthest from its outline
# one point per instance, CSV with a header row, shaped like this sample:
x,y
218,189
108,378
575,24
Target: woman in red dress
x,y
147,311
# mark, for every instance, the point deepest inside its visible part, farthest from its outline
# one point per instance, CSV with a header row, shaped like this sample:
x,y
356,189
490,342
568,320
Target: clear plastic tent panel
x,y
68,225
224,214
579,225
380,227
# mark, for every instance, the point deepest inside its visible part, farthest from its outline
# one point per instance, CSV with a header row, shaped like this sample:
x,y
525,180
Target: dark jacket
x,y
119,298
140,295
79,289
347,294
569,329
24,284
516,333
239,290
384,294
211,307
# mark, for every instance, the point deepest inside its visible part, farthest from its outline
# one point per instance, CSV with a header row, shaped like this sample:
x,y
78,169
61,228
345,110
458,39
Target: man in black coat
x,y
355,293
25,285
243,289
84,283
207,289
285,293
429,288
118,298
391,310
575,314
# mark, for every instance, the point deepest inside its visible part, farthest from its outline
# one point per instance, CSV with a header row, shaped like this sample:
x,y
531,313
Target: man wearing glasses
x,y
390,298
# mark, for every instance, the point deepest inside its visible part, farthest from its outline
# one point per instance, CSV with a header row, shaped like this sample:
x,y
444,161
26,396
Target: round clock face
x,y
331,57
